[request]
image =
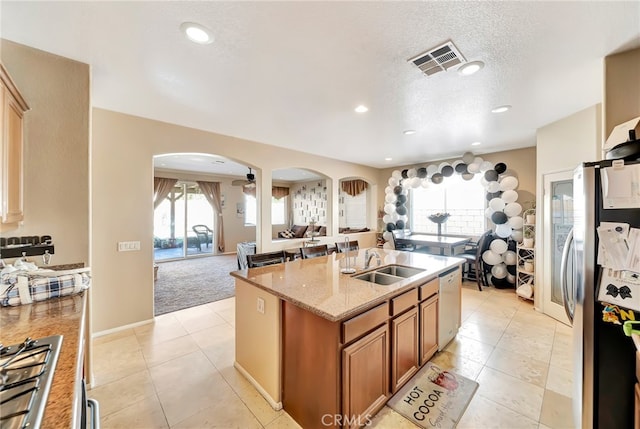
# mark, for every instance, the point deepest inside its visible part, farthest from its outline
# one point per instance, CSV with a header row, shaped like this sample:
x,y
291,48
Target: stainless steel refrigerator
x,y
604,358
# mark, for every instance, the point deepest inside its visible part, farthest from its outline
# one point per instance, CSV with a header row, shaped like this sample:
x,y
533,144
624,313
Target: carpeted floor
x,y
187,283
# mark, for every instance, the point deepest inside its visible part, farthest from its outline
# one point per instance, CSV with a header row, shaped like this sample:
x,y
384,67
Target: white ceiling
x,y
291,73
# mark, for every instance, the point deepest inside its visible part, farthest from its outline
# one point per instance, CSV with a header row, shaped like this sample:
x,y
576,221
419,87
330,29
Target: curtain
x,y
279,191
211,191
353,187
161,188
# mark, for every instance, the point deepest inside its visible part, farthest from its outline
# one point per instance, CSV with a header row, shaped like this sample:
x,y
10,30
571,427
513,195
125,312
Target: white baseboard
x,y
275,405
120,328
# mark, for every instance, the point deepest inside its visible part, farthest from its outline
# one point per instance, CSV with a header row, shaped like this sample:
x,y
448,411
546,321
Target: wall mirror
x,y
354,195
301,204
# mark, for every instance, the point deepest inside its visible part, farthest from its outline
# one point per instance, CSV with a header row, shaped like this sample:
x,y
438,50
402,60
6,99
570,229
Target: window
x,y
279,211
250,210
463,200
353,210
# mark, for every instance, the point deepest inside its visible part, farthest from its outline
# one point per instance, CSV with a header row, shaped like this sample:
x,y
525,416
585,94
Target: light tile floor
x,y
178,371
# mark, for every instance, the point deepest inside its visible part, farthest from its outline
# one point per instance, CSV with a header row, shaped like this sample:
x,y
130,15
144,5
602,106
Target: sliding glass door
x,y
183,224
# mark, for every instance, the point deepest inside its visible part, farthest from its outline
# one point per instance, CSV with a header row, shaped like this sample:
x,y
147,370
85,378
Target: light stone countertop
x,y
318,285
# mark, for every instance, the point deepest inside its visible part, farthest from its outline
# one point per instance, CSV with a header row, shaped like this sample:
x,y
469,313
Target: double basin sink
x,y
388,275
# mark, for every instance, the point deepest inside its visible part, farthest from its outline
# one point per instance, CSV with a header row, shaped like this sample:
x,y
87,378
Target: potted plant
x,y
528,240
530,213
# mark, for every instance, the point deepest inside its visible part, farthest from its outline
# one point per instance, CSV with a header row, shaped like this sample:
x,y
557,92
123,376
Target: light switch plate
x,y
128,246
260,305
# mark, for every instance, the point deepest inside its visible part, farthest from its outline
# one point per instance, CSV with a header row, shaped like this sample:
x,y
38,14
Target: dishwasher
x,y
449,306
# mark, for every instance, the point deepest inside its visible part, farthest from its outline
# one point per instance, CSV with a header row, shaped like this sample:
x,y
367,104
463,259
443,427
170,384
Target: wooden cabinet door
x,y
404,348
428,329
365,377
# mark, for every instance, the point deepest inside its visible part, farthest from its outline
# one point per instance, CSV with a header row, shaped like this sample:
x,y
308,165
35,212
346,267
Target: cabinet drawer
x,y
404,301
359,325
428,289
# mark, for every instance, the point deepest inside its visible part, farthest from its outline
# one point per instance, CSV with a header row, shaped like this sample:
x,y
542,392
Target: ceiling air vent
x,y
438,59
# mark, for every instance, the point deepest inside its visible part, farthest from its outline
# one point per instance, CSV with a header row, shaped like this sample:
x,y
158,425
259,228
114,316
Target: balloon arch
x,y
503,209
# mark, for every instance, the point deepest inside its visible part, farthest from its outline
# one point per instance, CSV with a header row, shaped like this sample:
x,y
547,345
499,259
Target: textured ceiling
x,y
291,73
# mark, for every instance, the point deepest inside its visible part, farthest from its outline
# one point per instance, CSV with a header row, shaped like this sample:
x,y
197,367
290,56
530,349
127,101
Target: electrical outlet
x,y
261,305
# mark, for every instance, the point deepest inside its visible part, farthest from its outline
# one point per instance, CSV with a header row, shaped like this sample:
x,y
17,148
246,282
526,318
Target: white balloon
x,y
405,191
404,218
484,182
467,158
388,245
493,187
387,235
397,174
498,246
486,165
491,258
394,217
390,198
393,181
411,173
517,236
432,169
388,190
516,222
511,278
478,160
415,182
513,209
488,212
406,183
509,257
499,271
503,231
442,164
508,183
425,183
386,218
389,208
509,196
496,204
473,168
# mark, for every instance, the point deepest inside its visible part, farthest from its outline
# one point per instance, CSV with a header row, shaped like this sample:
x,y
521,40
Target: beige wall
x,y
122,182
621,89
56,149
520,161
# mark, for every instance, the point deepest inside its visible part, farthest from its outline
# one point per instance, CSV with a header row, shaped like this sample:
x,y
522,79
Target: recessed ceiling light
x,y
361,109
501,109
408,132
388,159
476,143
470,68
197,33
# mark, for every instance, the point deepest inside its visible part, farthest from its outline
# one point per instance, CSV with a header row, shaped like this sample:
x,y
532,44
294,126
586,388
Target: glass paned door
x,y
200,237
558,221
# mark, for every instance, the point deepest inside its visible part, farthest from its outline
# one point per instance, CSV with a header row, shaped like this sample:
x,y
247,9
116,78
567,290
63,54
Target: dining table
x,y
446,244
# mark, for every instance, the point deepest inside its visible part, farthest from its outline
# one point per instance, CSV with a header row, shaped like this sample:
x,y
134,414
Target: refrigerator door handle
x,y
568,244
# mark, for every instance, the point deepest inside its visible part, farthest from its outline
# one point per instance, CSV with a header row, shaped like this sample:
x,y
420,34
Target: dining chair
x,y
400,244
342,247
264,259
314,252
474,268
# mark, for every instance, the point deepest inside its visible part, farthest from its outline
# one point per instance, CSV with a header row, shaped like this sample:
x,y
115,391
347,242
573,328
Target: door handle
x,y
563,275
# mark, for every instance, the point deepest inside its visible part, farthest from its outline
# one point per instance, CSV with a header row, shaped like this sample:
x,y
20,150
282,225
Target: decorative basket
x,y
439,217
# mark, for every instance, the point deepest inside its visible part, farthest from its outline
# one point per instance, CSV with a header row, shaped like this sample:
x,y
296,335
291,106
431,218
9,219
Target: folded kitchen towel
x,y
27,288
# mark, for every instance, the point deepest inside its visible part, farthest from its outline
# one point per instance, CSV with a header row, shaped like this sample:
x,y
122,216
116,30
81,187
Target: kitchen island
x,y
331,348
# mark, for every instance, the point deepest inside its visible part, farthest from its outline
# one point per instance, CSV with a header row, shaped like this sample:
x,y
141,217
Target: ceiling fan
x,y
249,182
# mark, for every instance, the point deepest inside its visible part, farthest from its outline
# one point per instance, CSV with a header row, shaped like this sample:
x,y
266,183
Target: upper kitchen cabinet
x,y
12,109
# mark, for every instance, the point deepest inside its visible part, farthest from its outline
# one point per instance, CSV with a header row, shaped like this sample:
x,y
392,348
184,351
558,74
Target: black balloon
x,y
400,224
397,190
492,195
500,167
499,218
399,203
461,168
436,178
500,283
402,199
512,269
511,245
447,171
402,210
404,173
422,172
491,175
391,226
